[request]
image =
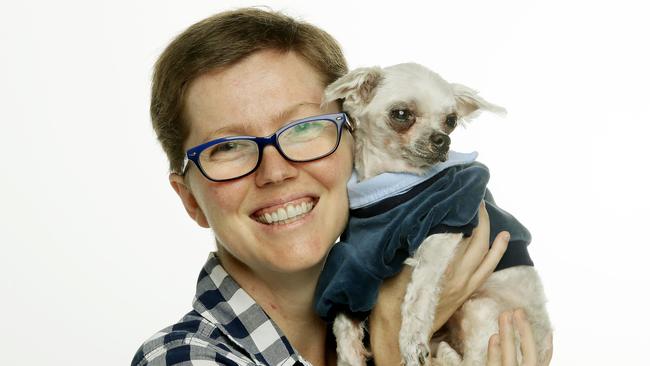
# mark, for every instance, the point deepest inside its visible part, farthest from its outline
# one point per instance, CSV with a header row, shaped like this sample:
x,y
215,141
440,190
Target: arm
x,y
473,262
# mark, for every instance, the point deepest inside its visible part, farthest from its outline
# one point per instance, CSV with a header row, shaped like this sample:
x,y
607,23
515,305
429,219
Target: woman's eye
x,y
303,127
451,120
225,147
307,129
401,115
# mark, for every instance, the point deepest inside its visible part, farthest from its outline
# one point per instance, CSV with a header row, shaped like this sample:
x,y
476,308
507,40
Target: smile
x,y
286,214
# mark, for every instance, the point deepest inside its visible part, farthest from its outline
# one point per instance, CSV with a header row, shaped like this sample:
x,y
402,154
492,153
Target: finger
x,y
494,351
491,260
479,242
528,349
507,339
463,245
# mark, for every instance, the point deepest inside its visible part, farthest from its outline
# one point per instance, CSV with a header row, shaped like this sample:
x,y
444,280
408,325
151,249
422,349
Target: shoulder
x,y
190,340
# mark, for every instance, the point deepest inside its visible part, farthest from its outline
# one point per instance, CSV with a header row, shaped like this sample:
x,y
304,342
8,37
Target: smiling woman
x,y
275,207
276,204
266,84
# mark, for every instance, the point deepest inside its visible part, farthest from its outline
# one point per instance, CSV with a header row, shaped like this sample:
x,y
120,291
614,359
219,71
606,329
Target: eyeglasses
x,y
303,140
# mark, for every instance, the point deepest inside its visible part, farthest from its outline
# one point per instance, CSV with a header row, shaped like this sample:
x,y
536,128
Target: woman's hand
x,y
473,262
501,347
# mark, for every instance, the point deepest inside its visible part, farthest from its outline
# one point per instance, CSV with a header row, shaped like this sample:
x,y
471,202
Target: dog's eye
x,y
451,120
402,115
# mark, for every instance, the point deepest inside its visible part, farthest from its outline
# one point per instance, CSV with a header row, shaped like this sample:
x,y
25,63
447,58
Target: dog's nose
x,y
440,141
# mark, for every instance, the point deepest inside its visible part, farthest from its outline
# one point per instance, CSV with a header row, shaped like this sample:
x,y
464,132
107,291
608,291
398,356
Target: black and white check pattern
x,y
226,327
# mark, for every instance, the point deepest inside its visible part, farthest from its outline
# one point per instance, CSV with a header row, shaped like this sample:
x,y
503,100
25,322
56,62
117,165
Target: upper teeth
x,y
285,213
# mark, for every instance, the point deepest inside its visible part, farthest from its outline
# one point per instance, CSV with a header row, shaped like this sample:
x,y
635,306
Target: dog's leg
x,y
508,289
349,341
472,325
418,309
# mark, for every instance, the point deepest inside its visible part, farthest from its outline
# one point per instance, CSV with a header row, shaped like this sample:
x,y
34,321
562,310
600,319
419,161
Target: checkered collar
x,y
221,301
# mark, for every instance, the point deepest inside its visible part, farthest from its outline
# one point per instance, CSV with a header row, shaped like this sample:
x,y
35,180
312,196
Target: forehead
x,y
416,84
252,96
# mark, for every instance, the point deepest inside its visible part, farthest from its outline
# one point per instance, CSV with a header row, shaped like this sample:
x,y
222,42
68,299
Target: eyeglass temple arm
x,y
186,163
348,123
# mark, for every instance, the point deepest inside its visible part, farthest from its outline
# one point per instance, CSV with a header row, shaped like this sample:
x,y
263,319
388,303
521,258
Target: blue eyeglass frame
x,y
340,119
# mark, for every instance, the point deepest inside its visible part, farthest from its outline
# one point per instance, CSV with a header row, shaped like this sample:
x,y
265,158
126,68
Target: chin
x,y
299,259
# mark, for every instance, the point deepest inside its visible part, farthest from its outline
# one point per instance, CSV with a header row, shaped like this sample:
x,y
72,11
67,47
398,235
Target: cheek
x,y
219,200
333,174
334,171
408,138
339,175
345,158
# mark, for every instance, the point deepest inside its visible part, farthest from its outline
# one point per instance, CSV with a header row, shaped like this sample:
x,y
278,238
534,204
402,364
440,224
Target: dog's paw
x,y
447,356
423,354
416,355
349,341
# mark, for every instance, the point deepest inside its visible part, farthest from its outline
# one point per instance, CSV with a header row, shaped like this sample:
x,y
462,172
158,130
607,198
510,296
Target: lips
x,y
286,212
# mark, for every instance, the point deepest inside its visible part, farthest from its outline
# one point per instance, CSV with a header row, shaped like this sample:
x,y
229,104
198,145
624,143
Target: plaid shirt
x,y
226,327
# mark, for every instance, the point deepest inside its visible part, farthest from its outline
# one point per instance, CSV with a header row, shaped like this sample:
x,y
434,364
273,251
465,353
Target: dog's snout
x,y
440,141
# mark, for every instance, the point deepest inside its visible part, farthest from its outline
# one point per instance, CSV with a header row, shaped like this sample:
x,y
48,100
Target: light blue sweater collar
x,y
385,185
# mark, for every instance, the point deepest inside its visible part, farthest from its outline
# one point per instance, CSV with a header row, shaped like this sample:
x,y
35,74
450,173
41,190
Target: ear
x,y
357,87
189,201
470,105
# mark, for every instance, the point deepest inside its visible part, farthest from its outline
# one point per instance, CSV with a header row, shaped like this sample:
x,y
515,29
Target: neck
x,y
288,299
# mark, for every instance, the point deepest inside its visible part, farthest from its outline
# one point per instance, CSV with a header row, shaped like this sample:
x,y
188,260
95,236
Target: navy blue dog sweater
x,y
379,237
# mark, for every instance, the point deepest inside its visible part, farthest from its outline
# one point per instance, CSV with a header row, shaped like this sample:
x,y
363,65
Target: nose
x,y
440,141
274,168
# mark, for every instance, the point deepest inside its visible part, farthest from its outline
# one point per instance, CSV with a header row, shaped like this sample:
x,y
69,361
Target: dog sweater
x,y
388,223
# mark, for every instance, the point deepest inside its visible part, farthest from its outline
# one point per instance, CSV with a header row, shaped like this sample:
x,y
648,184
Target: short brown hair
x,y
220,41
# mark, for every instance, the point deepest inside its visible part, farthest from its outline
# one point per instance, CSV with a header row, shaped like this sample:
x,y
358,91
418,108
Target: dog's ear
x,y
470,105
357,87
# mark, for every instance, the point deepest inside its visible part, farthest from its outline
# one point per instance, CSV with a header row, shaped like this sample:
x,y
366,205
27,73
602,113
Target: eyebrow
x,y
282,116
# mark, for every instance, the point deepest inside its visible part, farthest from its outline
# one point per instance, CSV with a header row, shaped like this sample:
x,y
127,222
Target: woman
x,y
275,205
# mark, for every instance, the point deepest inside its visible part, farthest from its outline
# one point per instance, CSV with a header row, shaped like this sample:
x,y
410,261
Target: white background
x,y
98,253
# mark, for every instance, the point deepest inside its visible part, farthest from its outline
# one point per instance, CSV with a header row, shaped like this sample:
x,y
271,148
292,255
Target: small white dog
x,y
403,116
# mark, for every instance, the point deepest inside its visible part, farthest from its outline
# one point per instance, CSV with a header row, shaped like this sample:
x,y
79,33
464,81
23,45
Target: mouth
x,y
442,156
427,157
285,213
435,158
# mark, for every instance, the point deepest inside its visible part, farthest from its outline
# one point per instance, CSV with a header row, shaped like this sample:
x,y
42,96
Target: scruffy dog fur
x,y
403,116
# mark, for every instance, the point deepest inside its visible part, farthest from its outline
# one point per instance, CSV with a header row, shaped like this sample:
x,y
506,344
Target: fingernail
x,y
549,339
521,315
506,236
494,339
